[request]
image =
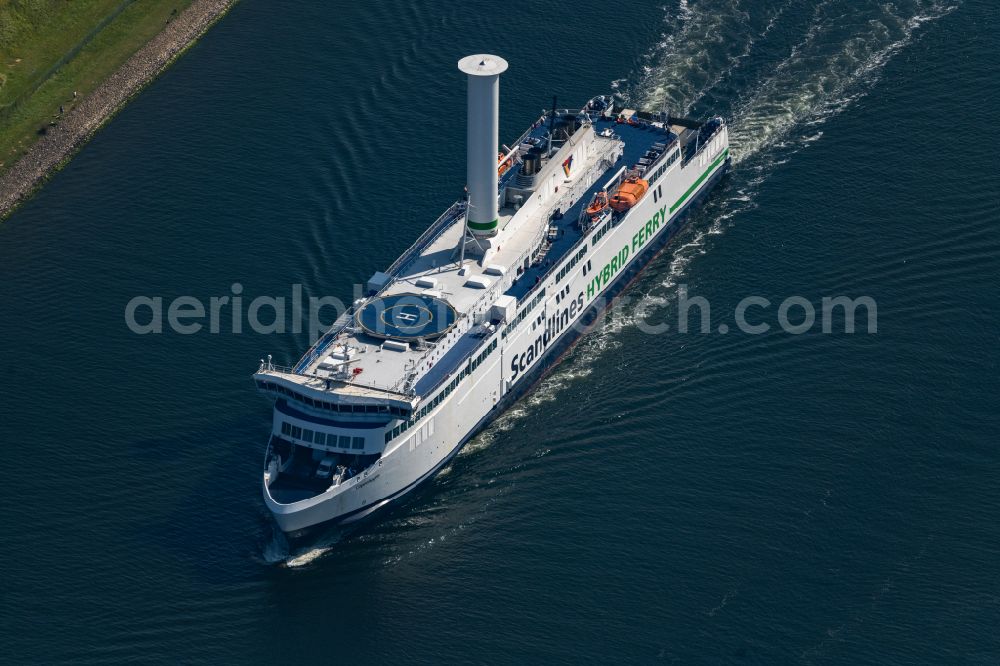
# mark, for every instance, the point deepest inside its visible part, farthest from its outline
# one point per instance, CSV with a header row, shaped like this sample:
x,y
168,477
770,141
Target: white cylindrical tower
x,y
484,73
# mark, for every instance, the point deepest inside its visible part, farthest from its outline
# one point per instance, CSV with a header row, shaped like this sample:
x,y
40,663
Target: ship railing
x,y
512,154
472,351
446,377
268,367
571,197
701,142
527,133
446,219
386,388
426,238
670,143
325,340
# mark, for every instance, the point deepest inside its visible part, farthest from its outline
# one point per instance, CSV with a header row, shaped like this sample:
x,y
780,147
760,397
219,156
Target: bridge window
x,y
286,428
345,442
358,443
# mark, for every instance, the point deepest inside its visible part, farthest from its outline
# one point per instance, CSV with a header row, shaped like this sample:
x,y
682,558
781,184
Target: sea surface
x,y
677,498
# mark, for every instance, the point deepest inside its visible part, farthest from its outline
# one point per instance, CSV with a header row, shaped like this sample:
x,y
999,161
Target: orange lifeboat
x,y
503,165
629,193
599,203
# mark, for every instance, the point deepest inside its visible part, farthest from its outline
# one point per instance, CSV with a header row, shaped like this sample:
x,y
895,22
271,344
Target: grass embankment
x,y
50,49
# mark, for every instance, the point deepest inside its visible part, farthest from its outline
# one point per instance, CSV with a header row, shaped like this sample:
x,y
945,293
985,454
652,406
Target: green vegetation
x,y
50,49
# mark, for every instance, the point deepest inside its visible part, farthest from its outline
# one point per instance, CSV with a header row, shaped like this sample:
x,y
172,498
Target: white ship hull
x,y
517,354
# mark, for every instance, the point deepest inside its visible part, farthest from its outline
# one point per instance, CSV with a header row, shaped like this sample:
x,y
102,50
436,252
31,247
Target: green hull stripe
x,y
701,178
483,226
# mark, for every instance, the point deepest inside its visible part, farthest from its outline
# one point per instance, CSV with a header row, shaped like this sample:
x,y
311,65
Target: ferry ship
x,y
550,229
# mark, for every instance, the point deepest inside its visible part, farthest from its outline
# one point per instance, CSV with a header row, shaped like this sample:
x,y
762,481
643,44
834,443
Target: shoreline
x,y
57,146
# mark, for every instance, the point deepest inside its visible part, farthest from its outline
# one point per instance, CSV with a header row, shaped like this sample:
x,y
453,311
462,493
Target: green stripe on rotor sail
x,y
482,226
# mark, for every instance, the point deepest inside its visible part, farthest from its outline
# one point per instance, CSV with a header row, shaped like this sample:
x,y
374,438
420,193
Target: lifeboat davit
x,y
599,203
599,210
629,193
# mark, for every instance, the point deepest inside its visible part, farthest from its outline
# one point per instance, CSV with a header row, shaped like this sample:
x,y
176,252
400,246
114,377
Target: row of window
x,y
666,165
476,362
274,387
600,233
564,271
523,313
321,438
452,385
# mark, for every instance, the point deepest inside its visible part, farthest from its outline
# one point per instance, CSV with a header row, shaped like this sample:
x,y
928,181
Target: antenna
x,y
465,230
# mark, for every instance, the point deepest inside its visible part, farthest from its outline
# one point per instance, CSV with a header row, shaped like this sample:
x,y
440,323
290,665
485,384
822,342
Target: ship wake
x,y
716,58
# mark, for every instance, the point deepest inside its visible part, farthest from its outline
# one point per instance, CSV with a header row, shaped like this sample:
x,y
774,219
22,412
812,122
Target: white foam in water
x,y
822,77
825,72
692,57
306,557
276,548
317,550
684,12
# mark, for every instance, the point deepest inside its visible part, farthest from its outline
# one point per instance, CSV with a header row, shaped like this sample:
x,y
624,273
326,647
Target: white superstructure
x,y
456,328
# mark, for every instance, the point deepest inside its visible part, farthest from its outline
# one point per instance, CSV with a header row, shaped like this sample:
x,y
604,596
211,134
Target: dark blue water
x,y
814,498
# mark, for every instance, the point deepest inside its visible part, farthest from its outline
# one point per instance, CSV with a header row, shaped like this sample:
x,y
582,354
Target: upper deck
x,y
433,308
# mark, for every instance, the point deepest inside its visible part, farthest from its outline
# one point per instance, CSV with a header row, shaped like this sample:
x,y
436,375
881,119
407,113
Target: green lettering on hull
x,y
643,234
